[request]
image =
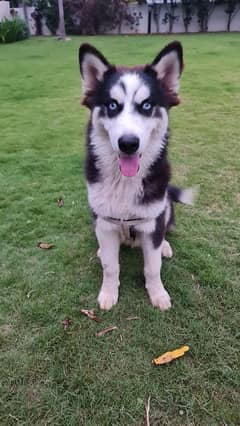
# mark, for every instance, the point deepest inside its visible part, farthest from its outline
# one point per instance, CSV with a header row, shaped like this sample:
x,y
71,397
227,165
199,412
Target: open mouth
x,y
129,164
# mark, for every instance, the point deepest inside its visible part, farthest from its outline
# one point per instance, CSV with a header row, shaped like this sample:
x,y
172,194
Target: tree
x,y
187,13
170,16
156,15
61,27
232,7
24,5
204,10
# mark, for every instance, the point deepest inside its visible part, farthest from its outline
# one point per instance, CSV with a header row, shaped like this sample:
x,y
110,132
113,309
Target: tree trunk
x,y
61,20
229,21
25,14
156,16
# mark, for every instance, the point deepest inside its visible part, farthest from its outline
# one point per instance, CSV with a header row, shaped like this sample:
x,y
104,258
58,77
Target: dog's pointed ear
x,y
93,65
168,65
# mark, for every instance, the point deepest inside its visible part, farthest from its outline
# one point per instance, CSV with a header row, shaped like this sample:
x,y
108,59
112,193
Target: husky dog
x,y
127,169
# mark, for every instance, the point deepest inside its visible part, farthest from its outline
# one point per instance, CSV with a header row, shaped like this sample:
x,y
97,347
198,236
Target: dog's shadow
x,y
131,267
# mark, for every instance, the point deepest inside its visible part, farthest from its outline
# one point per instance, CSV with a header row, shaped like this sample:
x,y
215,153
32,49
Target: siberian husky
x,y
127,169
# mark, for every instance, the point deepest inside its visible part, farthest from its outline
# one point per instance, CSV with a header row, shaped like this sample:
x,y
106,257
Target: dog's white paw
x,y
166,249
159,298
107,298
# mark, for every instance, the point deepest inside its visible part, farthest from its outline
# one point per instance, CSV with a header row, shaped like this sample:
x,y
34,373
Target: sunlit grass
x,y
53,377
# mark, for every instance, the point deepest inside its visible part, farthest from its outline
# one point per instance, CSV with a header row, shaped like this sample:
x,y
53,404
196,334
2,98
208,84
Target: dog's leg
x,y
152,266
109,243
166,249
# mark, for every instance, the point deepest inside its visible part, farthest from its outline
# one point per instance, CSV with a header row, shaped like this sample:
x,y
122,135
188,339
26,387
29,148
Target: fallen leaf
x,y
147,407
60,202
132,318
66,323
5,330
90,314
170,356
45,246
107,330
196,285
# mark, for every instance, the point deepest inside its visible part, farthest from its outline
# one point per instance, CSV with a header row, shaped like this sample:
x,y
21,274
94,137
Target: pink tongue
x,y
129,165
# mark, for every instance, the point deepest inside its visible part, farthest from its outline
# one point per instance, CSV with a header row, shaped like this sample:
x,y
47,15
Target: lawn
x,y
52,376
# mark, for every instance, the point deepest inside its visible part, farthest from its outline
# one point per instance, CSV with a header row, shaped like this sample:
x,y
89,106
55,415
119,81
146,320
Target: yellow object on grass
x,y
170,356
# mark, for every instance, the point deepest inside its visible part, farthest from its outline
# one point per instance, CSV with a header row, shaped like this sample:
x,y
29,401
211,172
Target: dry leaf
x,y
66,323
107,330
132,318
197,285
170,356
5,330
45,246
60,202
90,314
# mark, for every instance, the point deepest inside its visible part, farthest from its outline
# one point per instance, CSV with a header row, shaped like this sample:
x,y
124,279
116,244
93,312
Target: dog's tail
x,y
183,196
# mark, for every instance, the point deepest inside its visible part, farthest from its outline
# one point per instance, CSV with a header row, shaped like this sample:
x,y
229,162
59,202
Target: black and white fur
x,y
127,169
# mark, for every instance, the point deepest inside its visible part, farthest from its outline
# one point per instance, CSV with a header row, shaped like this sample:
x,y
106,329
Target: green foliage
x,y
12,30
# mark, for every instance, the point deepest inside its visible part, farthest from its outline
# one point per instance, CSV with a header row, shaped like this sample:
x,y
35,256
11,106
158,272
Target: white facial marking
x,y
117,93
142,93
132,82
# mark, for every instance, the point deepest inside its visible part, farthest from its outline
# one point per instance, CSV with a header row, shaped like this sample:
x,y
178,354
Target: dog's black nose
x,y
128,144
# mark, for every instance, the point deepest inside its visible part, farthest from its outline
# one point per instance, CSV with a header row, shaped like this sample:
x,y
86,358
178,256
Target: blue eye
x,y
146,106
113,106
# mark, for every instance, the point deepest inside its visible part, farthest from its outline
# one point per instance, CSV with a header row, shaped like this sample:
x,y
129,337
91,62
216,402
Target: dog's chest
x,y
116,197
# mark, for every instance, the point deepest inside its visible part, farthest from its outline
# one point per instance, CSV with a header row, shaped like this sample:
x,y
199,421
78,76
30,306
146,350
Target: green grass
x,y
52,377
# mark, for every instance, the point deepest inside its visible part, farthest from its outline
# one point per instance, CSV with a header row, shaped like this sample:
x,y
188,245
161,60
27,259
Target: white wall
x,y
4,10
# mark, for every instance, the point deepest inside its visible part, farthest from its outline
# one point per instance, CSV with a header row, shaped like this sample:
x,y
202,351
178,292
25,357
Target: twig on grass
x,y
45,246
107,330
29,293
90,314
132,318
147,406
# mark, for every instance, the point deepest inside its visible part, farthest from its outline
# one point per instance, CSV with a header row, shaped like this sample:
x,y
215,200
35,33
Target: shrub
x,y
95,16
47,9
12,30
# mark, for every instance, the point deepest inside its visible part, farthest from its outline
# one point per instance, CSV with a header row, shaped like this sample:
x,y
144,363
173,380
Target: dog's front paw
x,y
166,249
107,298
159,298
